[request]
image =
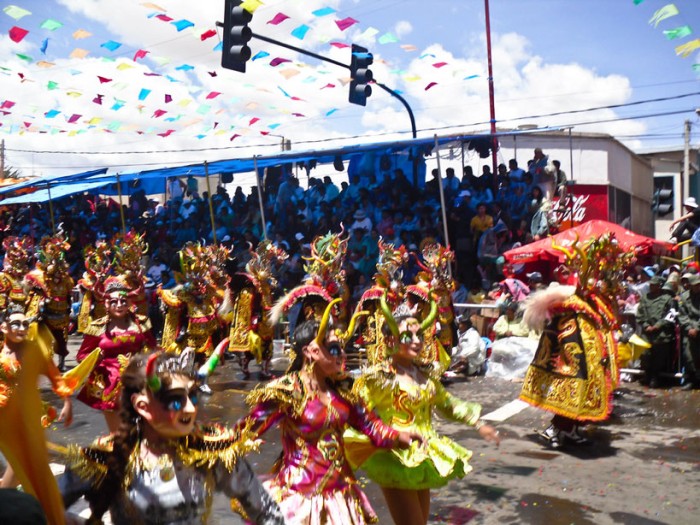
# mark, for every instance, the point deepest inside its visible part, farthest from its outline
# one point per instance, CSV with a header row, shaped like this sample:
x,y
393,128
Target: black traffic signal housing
x,y
361,75
237,34
662,202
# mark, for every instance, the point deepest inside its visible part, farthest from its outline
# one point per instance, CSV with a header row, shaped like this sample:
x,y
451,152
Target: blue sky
x,y
549,56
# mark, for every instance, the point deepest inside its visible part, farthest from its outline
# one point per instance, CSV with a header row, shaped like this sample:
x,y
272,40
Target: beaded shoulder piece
x,y
210,444
288,392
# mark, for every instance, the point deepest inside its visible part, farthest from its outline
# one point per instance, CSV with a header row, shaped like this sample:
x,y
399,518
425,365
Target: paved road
x,y
643,468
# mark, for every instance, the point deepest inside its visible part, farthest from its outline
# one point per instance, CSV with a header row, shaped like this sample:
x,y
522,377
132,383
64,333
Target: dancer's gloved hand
x,y
490,433
405,439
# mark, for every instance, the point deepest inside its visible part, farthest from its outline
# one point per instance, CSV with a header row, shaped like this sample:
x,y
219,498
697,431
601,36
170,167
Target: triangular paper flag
x,y
51,25
345,23
81,33
180,25
277,19
17,33
79,53
300,32
16,12
111,45
324,11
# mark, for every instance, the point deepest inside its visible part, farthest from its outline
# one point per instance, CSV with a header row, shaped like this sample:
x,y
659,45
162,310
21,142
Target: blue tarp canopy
x,y
56,192
56,180
151,181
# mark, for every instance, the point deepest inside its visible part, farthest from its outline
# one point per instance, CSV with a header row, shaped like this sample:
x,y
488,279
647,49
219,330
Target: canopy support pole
x,y
260,197
211,205
121,207
442,200
53,222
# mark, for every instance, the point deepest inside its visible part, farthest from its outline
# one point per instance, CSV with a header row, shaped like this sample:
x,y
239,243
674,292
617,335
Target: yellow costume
x,y
22,439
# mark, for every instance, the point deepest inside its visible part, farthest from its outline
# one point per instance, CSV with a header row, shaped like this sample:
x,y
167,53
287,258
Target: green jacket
x,y
689,317
652,311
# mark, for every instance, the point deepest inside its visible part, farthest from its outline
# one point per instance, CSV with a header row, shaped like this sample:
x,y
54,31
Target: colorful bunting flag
x,y
74,118
438,65
665,12
51,25
345,23
181,25
213,95
166,133
432,84
45,64
81,33
277,19
52,113
388,38
251,5
277,61
324,11
686,49
158,113
103,80
79,53
330,112
168,98
300,32
164,18
17,34
44,46
207,34
153,6
16,12
98,99
111,45
637,2
340,45
144,93
141,53
409,47
679,32
184,67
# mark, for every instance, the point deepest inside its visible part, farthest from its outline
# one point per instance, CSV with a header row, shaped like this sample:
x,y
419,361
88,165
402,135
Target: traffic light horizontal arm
x,y
300,50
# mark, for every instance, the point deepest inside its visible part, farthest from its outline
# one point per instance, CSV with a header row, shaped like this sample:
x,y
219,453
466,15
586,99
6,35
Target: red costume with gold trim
x,y
251,299
574,370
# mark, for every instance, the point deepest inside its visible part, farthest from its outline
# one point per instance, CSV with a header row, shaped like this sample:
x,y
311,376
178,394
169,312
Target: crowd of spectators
x,y
482,223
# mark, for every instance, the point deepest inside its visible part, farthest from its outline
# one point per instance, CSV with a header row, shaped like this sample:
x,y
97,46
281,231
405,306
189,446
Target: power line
x,y
530,117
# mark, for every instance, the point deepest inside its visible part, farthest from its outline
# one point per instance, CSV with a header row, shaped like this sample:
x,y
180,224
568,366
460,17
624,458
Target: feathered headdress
x,y
18,254
51,256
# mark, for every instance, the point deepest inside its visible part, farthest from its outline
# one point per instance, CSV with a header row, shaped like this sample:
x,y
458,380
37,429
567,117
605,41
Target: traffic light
x,y
662,202
235,52
361,75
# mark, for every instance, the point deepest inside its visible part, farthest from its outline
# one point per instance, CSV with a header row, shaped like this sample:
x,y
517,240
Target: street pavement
x,y
642,468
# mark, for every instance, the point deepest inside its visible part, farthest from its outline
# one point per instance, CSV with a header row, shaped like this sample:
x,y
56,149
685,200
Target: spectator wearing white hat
x,y
687,224
361,221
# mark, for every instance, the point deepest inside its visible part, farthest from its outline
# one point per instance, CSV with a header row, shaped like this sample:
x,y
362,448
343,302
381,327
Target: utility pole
x,y
685,179
492,104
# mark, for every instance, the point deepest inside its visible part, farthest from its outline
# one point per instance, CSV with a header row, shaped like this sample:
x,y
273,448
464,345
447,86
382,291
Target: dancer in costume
x,y
325,281
312,405
161,466
404,394
435,283
22,441
50,288
250,294
387,281
18,253
191,307
128,250
119,334
98,266
574,370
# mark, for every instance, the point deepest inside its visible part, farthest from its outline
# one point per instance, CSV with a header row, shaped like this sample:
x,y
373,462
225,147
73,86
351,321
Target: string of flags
x,y
667,12
193,107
